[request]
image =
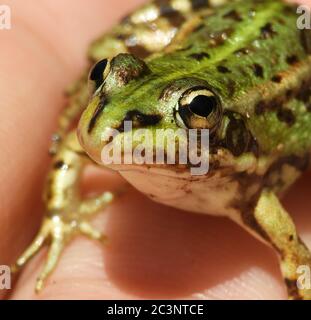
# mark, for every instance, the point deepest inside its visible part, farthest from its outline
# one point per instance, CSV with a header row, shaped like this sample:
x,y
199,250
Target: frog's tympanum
x,y
241,69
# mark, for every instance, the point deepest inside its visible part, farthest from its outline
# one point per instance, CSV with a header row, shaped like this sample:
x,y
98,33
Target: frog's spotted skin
x,y
253,65
149,29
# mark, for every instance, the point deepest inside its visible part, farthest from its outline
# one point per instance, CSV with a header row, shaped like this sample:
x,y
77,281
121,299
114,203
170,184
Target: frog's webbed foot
x,y
56,230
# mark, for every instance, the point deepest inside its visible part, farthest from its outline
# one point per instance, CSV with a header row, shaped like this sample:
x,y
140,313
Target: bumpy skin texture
x,y
62,163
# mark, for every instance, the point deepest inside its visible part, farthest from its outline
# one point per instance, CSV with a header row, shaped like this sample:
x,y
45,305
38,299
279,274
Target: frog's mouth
x,y
143,149
121,152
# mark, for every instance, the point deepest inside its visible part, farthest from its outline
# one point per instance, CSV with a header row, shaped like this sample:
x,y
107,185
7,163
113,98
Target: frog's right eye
x,y
98,74
198,108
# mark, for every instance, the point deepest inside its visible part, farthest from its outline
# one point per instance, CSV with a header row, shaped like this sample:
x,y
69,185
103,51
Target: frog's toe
x,y
89,231
54,253
57,232
33,248
60,234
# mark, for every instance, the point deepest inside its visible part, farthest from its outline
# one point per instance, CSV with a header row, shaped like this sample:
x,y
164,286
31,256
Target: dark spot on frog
x,y
242,51
293,59
99,109
199,56
139,119
176,19
277,103
238,137
287,116
219,37
197,4
166,10
260,108
304,92
234,15
273,105
223,69
291,238
231,87
267,31
290,9
198,28
258,70
121,36
289,94
139,51
292,289
277,78
305,40
60,165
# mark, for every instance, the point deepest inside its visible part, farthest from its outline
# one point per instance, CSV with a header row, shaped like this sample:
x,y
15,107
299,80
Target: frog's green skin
x,y
257,64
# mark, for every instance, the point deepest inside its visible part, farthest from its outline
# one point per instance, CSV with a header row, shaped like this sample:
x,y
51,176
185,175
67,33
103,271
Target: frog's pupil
x,y
203,106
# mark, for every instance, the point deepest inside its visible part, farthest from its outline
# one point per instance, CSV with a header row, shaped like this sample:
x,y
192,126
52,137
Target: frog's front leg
x,y
273,225
67,214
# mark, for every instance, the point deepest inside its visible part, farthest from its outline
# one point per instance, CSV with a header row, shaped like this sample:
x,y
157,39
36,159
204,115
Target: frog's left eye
x,y
98,74
198,108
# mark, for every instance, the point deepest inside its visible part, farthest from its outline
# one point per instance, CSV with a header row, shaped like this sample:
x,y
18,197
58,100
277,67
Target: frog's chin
x,y
180,189
181,172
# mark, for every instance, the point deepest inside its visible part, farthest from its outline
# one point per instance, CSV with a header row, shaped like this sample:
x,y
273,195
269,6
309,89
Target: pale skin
x,y
153,251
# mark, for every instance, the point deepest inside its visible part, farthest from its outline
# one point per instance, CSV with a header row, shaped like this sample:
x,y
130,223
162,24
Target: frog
x,y
239,69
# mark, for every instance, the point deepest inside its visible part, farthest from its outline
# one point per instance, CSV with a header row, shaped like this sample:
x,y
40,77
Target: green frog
x,y
239,69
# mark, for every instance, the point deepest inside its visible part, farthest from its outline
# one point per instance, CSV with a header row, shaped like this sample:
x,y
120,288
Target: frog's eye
x,y
98,74
198,108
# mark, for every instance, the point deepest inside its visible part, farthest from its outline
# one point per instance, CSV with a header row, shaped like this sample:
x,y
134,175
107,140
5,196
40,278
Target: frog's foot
x,y
273,224
57,233
57,230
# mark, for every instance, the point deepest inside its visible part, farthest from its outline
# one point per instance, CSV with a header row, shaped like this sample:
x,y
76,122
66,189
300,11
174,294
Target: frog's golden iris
x,y
198,108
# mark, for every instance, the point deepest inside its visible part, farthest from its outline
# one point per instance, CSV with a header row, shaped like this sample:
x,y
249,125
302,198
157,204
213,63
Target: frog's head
x,y
127,89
